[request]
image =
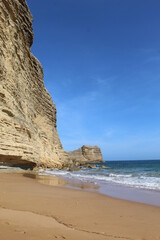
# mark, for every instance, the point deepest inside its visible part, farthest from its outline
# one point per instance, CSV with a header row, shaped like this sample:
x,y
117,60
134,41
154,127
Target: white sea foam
x,y
7,168
143,182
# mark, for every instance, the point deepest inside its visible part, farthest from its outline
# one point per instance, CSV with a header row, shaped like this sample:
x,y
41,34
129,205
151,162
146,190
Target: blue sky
x,y
101,61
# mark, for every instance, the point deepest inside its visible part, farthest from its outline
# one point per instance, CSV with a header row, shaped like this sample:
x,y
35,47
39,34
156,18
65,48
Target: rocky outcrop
x,y
86,154
28,133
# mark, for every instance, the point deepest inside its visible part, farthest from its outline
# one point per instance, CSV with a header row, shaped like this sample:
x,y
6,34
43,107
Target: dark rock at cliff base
x,y
86,154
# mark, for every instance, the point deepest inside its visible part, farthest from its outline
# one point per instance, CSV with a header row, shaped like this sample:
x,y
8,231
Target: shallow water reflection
x,y
47,180
52,181
59,181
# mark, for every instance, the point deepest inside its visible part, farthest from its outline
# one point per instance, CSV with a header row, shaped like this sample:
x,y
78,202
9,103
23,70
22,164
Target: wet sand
x,y
31,210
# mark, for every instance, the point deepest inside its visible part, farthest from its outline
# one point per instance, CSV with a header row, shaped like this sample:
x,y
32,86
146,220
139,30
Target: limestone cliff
x,y
86,154
28,130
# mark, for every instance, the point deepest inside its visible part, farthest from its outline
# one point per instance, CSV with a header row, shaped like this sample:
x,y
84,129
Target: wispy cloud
x,y
72,116
151,54
147,50
67,82
107,81
153,59
109,133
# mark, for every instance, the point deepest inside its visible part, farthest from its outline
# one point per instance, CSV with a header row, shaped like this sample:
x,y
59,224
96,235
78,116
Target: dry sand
x,y
34,211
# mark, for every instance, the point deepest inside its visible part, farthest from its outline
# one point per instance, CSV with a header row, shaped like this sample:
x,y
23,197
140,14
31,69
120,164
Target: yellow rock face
x,y
28,130
86,154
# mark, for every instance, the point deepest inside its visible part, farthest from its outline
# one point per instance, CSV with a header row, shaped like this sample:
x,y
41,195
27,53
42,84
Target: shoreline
x,y
32,210
109,189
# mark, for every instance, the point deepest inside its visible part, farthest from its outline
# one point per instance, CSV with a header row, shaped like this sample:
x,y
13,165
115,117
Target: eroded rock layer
x,y
28,130
86,154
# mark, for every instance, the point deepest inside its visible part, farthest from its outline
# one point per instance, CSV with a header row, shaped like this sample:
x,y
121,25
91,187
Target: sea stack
x,y
28,131
86,154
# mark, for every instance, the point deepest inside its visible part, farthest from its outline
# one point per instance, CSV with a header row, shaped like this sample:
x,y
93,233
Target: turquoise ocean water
x,y
135,174
130,180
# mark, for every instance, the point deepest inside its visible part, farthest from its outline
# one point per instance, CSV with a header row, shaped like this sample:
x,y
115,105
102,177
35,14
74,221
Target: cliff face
x,y
28,130
86,154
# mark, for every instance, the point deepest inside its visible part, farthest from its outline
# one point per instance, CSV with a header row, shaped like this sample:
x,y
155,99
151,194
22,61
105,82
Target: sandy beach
x,y
32,210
